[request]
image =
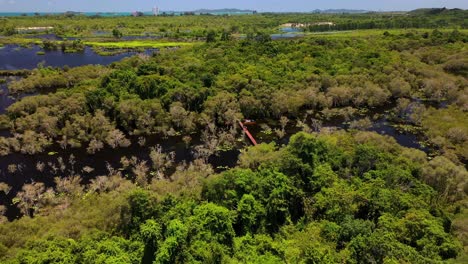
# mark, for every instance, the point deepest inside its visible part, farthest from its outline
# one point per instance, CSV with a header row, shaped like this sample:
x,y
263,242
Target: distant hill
x,y
224,10
339,11
437,11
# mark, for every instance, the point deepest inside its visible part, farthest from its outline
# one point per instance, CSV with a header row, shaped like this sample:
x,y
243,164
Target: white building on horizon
x,y
155,11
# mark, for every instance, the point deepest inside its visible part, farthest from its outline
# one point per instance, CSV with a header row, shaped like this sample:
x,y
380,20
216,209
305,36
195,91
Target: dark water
x,y
384,127
74,160
290,29
45,37
286,36
96,34
5,99
277,36
13,57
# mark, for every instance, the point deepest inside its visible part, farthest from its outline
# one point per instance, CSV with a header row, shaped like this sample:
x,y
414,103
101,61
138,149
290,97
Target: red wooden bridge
x,y
246,131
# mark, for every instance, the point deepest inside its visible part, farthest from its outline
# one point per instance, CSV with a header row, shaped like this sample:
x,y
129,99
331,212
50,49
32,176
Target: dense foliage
x,y
176,92
333,193
328,198
190,27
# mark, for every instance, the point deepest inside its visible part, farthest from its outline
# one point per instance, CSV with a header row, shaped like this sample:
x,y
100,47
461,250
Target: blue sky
x,y
184,5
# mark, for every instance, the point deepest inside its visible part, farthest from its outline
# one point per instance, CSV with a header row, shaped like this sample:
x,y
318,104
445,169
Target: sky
x,y
188,5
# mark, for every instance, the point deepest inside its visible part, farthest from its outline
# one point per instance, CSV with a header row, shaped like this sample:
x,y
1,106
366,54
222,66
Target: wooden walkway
x,y
246,131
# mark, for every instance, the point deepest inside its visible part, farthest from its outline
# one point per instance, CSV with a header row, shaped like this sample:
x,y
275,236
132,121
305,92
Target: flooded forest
x,y
253,138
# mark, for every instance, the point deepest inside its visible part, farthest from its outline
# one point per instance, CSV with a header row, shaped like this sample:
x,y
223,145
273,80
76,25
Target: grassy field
x,y
101,43
15,40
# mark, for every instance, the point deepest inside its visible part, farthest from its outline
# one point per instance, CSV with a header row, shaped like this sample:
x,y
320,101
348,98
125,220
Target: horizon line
x,y
215,9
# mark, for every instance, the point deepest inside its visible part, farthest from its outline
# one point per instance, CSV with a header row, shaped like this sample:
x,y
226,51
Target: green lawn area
x,y
18,41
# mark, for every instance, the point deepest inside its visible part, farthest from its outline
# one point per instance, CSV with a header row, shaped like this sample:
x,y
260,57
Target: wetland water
x,y
13,57
5,99
62,163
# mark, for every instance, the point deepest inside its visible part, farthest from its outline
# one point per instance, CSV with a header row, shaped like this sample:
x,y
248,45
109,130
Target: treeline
x,y
435,20
328,198
195,27
65,46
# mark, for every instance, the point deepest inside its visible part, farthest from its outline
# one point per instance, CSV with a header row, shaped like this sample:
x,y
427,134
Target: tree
x,y
223,108
117,33
225,36
151,233
173,249
116,138
211,36
309,148
29,198
49,251
249,213
212,233
5,188
161,161
262,154
212,223
140,208
281,199
447,178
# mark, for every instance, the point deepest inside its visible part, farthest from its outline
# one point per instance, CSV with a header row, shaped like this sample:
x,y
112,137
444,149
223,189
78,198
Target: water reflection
x,y
13,57
290,29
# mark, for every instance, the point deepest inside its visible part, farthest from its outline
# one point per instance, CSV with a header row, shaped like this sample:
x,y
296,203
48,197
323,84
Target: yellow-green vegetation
x,y
460,226
448,130
137,44
18,40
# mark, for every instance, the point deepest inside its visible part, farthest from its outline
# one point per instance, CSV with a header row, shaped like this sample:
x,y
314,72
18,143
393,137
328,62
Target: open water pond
x,y
290,29
13,57
44,37
286,35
